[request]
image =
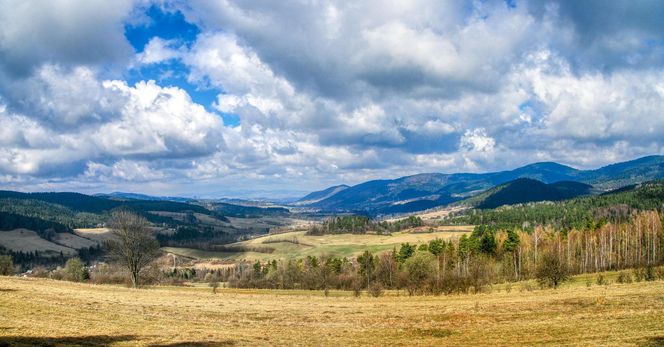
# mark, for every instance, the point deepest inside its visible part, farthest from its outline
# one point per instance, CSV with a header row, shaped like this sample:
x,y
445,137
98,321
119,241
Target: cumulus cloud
x,y
326,92
62,32
159,50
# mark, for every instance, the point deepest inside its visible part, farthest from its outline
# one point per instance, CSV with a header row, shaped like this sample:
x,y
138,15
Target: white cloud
x,y
124,170
159,50
325,93
62,32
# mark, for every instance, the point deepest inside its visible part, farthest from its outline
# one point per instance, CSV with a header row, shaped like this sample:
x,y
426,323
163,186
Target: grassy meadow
x,y
49,312
296,244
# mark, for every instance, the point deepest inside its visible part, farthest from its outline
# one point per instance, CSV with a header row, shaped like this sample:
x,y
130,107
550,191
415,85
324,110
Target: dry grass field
x,y
48,312
97,235
341,245
28,241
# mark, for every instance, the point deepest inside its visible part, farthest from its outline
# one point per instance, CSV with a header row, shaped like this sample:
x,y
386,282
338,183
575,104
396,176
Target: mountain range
x,y
429,190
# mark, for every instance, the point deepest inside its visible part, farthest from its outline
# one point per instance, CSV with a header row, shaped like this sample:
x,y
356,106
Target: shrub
x,y
6,265
356,286
214,285
624,277
551,270
646,273
638,275
660,272
601,280
649,273
527,286
213,281
75,270
376,289
102,273
420,269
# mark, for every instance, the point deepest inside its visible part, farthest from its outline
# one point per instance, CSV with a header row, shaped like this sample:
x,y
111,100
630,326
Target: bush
x,y
649,273
420,269
646,273
6,265
527,286
624,277
660,273
75,270
108,274
376,289
551,271
213,281
356,286
601,280
638,275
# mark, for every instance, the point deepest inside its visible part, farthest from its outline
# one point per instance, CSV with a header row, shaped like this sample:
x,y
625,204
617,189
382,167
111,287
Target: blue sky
x,y
274,99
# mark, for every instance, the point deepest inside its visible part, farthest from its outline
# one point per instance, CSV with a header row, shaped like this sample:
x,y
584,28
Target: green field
x,y
296,244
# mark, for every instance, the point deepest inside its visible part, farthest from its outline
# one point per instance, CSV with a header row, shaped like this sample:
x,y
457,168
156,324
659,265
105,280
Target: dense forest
x,y
362,225
617,206
45,229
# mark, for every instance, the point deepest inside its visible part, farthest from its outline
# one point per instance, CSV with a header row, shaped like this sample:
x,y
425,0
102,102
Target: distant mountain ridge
x,y
138,196
429,190
317,196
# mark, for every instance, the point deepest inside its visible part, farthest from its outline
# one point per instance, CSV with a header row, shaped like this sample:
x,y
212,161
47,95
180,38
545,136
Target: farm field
x,y
297,245
49,312
29,241
98,235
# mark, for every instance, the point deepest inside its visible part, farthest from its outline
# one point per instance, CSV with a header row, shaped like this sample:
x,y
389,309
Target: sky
x,y
215,98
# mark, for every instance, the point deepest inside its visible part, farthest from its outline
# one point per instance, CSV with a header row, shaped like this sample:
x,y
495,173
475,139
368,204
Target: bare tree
x,y
132,245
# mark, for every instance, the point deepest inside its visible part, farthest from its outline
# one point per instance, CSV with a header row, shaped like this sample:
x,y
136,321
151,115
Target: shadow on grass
x,y
653,341
95,340
197,344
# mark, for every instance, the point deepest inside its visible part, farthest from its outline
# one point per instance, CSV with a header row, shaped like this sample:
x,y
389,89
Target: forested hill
x,y
92,204
524,190
48,213
578,213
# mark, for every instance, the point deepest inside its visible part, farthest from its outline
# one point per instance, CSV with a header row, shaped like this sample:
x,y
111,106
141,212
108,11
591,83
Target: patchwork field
x,y
48,312
28,241
297,245
98,235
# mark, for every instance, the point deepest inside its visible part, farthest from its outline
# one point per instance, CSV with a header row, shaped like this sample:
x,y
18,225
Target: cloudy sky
x,y
275,98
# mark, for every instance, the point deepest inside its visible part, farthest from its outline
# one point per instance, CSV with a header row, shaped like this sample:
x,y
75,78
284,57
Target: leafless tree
x,y
132,245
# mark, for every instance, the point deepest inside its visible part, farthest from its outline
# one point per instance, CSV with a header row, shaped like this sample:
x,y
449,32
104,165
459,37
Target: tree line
x,y
362,225
470,263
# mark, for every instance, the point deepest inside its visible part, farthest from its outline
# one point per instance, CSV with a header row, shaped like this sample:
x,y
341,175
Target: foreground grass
x,y
48,312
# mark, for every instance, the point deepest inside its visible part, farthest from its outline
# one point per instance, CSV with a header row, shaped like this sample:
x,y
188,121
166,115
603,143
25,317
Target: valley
x,y
296,244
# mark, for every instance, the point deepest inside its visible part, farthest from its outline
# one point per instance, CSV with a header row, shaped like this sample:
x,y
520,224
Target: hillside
x,y
429,190
615,206
315,197
48,221
524,190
